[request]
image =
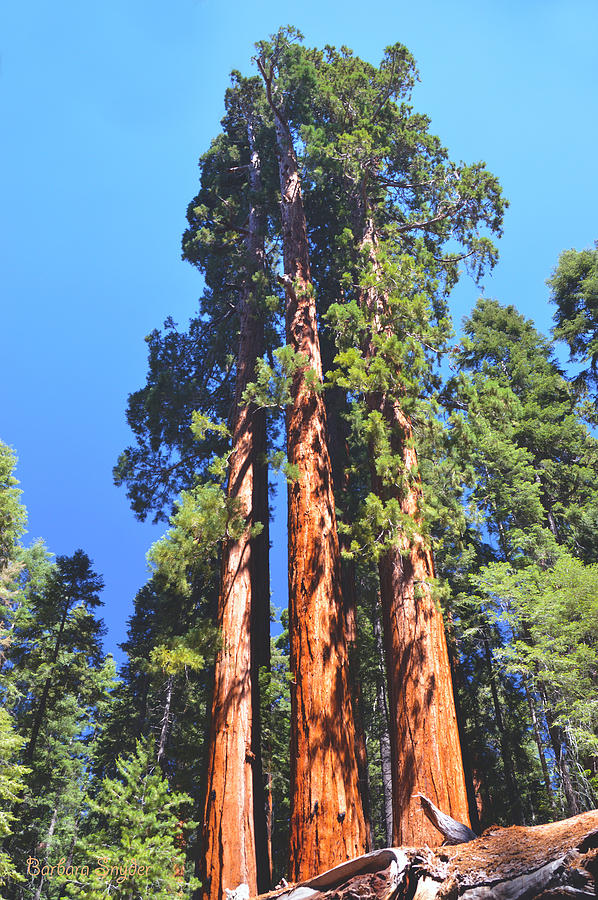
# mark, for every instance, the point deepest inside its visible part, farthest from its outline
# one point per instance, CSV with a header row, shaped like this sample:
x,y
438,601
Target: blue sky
x,y
106,109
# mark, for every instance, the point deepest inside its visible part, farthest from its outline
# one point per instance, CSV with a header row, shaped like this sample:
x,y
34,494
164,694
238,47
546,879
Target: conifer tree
x,y
12,785
327,821
188,370
133,845
550,613
532,480
534,459
395,181
235,832
574,287
56,684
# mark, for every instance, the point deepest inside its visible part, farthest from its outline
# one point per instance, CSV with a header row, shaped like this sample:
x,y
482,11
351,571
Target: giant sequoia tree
x,y
387,181
235,832
373,222
327,823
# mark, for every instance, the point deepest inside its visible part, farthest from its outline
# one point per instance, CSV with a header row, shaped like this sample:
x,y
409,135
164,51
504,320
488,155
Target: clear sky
x,y
105,109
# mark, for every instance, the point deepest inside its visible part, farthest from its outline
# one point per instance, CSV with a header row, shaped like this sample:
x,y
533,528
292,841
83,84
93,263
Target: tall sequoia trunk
x,y
327,823
234,819
425,746
336,403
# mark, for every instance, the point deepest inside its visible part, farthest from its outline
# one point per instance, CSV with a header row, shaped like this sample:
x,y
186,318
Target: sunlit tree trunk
x,y
165,721
539,744
327,823
559,746
425,746
234,820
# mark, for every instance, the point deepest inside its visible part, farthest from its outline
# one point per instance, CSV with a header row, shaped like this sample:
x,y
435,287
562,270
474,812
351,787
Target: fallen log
x,y
558,861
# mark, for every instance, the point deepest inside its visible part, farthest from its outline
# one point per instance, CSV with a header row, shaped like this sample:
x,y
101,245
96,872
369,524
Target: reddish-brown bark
x,y
234,822
425,746
339,458
327,823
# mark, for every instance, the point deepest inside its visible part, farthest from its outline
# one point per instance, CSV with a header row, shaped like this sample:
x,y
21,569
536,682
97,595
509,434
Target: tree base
x,y
544,862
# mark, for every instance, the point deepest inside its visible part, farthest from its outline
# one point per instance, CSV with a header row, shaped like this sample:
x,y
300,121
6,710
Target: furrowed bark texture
x,y
327,823
234,821
425,745
339,457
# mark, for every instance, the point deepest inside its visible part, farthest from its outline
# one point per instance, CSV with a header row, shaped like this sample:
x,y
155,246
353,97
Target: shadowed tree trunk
x,y
505,744
385,754
40,712
336,403
472,793
234,822
48,846
425,747
327,823
541,755
349,593
559,746
260,652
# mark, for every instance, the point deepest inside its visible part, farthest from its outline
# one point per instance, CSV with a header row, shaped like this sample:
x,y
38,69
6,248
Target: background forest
x,y
478,445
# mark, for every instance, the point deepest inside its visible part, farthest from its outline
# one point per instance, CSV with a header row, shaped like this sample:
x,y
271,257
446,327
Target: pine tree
x,y
12,786
574,289
531,464
56,684
133,846
187,371
534,460
550,612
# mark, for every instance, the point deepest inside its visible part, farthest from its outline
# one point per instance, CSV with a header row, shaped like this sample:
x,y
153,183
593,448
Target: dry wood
x,y
545,862
452,831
